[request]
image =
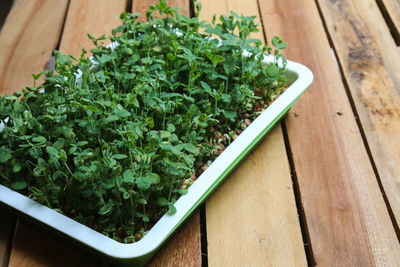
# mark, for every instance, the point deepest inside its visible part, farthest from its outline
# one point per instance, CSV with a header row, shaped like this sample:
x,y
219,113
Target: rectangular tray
x,y
138,253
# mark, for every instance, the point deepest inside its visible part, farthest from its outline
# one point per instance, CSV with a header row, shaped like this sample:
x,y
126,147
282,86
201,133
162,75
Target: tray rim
x,y
186,204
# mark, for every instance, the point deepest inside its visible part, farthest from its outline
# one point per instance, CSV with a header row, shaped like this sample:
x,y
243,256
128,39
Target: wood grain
x,y
27,39
34,248
96,17
7,224
184,247
369,58
347,219
252,218
393,9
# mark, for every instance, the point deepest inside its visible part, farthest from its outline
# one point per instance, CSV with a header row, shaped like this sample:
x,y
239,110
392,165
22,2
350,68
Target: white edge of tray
x,y
167,223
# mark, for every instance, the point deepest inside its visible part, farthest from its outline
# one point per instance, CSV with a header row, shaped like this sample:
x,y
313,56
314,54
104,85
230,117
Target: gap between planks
x,y
369,61
347,217
359,123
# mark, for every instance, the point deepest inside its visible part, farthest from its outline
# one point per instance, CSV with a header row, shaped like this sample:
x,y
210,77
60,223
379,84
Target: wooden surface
x,y
341,139
96,17
346,215
369,58
256,204
7,224
393,9
27,39
33,247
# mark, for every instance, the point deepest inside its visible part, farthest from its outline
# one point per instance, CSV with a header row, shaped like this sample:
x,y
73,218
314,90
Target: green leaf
x,y
230,114
143,183
273,70
106,209
123,113
128,176
189,148
171,209
119,156
18,185
162,201
153,177
218,59
51,150
205,86
5,154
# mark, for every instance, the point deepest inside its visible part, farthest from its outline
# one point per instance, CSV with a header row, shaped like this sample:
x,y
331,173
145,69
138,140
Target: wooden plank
x,y
252,218
30,24
370,62
40,249
96,17
7,224
393,9
347,219
184,247
32,248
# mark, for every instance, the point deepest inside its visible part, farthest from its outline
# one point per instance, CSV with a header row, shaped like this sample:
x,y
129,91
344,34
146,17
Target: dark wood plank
x,y
184,247
33,247
347,219
7,224
252,218
370,62
29,35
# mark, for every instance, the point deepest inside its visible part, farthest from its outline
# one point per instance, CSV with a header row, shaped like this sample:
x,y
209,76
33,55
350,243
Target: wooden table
x,y
322,188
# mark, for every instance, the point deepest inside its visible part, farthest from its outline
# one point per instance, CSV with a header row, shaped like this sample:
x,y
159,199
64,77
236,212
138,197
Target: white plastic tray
x,y
140,252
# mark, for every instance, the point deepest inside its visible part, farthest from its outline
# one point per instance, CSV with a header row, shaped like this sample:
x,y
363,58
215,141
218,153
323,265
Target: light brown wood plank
x,y
184,247
347,219
28,37
393,9
370,62
252,218
7,224
96,17
34,248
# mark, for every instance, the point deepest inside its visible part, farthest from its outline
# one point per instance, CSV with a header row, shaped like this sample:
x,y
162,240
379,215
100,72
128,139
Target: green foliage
x,y
115,146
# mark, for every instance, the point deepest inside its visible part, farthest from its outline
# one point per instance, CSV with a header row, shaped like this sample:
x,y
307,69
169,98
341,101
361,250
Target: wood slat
x,y
184,247
40,249
33,247
393,9
27,39
7,224
96,17
370,62
347,219
252,218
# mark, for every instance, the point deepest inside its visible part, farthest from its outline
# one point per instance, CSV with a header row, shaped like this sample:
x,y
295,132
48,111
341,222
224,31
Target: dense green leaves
x,y
115,140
